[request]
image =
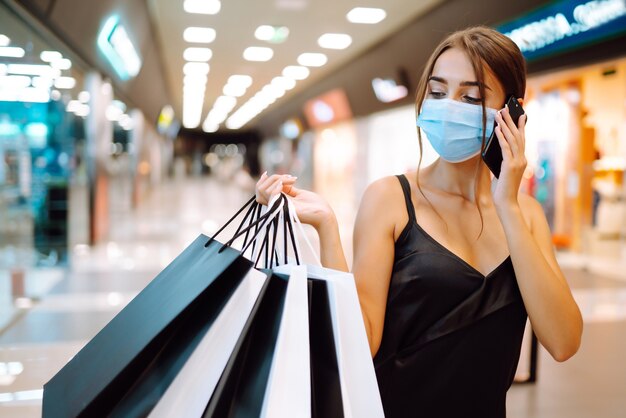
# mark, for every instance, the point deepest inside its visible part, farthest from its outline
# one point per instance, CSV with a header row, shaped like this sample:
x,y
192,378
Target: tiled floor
x,y
70,306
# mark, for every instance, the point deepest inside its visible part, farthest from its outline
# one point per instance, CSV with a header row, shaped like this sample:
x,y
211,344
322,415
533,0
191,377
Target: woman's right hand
x,y
311,208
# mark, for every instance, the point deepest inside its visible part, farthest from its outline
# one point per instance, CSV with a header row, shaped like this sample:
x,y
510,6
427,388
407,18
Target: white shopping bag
x,y
359,387
288,391
191,390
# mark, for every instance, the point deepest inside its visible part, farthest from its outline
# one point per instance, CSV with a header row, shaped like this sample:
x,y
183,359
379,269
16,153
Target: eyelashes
x,y
466,98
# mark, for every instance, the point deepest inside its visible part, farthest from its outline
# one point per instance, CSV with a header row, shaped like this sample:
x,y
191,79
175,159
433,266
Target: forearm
x,y
331,249
553,313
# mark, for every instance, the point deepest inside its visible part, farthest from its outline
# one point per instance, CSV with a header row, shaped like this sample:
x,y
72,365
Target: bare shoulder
x,y
382,203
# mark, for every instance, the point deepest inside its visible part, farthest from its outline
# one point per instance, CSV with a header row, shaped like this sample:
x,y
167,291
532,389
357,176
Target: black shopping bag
x,y
241,389
326,398
117,361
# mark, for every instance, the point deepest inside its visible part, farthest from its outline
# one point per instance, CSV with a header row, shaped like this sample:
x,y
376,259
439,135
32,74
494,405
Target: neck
x,y
460,178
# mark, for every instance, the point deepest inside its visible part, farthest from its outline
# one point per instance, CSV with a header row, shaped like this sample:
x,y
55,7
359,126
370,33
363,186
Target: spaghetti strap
x,y
406,189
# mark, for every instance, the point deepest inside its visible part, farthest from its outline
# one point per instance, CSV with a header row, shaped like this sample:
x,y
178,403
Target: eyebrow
x,y
463,83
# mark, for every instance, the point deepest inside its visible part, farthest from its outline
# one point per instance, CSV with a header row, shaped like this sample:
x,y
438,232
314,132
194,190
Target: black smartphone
x,y
492,154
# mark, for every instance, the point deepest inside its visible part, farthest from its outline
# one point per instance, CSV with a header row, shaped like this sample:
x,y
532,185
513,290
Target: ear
x,y
521,102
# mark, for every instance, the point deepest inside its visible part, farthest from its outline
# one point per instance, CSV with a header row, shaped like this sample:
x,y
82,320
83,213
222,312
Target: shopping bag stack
x,y
223,332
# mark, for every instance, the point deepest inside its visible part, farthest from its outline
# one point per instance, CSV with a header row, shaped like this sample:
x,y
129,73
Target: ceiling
x,y
236,23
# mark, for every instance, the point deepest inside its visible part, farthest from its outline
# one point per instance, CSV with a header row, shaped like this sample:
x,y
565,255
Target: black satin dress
x,y
452,336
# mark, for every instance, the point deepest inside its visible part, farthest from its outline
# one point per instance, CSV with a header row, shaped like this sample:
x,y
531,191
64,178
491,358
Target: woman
x,y
448,261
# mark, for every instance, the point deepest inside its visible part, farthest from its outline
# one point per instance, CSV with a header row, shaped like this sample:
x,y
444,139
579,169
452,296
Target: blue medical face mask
x,y
455,129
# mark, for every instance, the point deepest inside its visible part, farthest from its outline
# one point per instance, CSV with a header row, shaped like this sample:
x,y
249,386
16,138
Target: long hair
x,y
485,47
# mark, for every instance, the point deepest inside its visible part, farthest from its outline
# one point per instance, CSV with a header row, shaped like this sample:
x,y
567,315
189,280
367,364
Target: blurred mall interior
x,y
129,127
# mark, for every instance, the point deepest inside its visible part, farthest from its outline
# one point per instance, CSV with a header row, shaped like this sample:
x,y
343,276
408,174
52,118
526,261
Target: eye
x,y
473,100
437,94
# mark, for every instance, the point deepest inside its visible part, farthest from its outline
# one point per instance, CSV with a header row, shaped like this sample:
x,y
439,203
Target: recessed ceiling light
x,y
258,53
4,40
234,90
197,54
368,15
273,90
195,79
210,128
335,41
49,56
196,68
33,69
296,72
199,35
203,7
40,82
65,83
192,111
284,83
240,80
11,51
274,34
312,59
20,81
61,64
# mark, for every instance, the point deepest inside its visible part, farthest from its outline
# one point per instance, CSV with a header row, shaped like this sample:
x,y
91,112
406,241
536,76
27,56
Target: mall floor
x,y
64,308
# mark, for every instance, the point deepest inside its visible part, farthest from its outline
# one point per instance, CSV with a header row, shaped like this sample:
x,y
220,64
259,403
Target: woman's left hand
x,y
512,142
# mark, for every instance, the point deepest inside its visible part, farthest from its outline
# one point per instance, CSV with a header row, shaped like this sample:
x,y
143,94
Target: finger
x,y
521,127
506,116
508,135
277,189
261,179
504,145
521,123
290,190
269,181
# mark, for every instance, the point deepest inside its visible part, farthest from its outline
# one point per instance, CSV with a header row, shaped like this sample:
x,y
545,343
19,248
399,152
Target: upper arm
x,y
540,231
374,253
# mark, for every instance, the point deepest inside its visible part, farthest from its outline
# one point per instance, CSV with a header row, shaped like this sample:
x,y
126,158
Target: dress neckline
x,y
460,259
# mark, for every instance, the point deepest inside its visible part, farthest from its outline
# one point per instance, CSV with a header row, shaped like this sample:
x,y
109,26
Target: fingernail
x,y
264,173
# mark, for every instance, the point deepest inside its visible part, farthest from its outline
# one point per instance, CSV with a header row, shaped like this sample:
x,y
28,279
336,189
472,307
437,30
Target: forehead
x,y
454,65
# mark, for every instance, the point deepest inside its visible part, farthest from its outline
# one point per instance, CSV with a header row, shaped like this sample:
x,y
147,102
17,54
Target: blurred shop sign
x,y
392,88
327,108
565,25
118,49
387,90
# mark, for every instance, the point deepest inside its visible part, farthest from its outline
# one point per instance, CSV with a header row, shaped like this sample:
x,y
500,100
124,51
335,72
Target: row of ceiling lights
x,y
42,82
30,82
197,68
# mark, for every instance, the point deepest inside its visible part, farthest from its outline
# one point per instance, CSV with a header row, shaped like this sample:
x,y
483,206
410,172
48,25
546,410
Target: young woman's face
x,y
453,77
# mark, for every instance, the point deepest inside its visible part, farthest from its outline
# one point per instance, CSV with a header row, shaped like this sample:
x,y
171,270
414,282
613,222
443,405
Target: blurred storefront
x,y
576,105
577,155
72,149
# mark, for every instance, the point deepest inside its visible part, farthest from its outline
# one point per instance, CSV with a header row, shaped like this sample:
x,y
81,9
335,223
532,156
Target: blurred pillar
x,y
99,138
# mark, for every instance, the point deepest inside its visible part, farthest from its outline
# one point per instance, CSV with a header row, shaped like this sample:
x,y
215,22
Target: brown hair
x,y
484,47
